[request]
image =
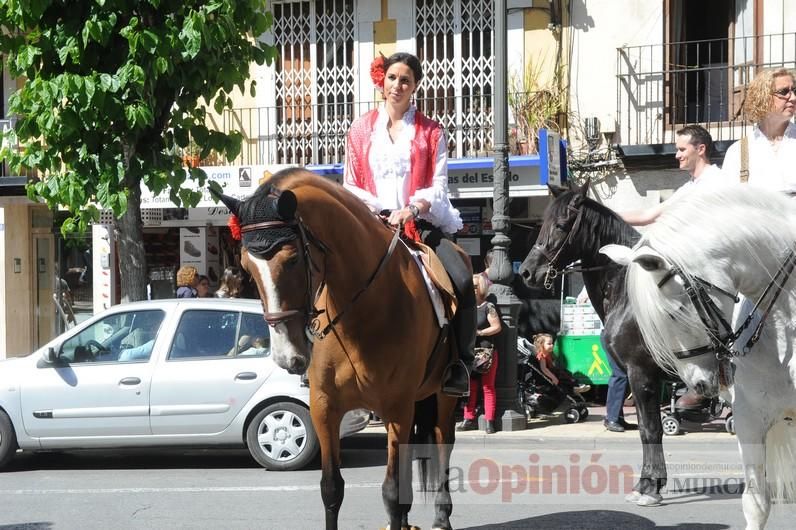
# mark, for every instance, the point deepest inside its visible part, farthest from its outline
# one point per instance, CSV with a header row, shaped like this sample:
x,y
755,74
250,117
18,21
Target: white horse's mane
x,y
711,233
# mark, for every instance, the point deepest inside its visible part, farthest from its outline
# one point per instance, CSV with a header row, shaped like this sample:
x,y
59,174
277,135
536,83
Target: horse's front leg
x,y
751,431
396,490
327,427
646,389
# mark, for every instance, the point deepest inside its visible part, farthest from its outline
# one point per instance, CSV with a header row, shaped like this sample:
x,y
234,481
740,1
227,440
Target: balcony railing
x,y
662,87
305,134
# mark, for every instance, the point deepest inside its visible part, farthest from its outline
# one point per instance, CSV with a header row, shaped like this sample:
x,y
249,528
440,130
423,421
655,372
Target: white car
x,y
186,372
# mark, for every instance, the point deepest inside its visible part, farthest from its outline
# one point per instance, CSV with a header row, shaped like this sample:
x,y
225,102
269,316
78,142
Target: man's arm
x,y
642,217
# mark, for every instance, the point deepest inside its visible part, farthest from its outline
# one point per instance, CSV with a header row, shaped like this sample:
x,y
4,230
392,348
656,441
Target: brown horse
x,y
349,305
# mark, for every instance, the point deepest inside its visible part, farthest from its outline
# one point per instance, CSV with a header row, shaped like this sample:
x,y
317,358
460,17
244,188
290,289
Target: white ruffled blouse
x,y
391,166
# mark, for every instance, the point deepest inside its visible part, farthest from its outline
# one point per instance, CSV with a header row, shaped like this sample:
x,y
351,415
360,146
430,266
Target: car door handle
x,y
130,381
246,376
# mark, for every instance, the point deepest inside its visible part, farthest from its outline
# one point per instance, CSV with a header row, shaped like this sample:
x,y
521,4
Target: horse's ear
x,y
584,189
231,203
556,190
650,260
286,204
618,253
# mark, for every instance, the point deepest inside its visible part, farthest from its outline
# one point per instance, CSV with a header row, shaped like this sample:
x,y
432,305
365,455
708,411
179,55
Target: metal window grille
x,y
314,80
455,43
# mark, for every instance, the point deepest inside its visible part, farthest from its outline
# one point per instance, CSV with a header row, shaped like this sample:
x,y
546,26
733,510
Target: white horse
x,y
682,277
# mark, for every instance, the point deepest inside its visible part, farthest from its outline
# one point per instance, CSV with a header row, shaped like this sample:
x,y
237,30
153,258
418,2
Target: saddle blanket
x,y
439,287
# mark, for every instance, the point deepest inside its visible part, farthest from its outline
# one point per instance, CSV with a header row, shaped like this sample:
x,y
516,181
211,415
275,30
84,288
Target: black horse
x,y
575,228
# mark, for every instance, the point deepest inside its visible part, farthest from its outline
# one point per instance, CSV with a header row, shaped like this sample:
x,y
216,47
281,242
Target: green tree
x,y
113,90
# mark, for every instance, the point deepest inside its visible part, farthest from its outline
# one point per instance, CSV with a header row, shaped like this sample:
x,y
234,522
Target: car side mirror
x,y
50,356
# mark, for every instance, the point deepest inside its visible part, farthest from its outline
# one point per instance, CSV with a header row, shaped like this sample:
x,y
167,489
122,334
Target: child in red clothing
x,y
543,342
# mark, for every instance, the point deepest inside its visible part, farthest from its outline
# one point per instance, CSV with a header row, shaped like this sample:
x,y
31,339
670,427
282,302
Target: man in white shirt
x,y
693,148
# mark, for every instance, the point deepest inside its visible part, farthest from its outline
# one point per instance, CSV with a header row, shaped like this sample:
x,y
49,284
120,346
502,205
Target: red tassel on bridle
x,y
234,225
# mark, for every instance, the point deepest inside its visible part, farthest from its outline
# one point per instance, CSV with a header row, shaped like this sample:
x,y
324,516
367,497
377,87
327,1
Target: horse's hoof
x,y
633,497
644,499
649,499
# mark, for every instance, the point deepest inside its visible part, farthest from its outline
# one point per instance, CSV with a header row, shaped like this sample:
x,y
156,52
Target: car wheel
x,y
281,437
8,439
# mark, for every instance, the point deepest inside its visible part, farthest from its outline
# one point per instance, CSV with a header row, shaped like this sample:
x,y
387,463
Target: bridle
x,y
722,337
310,312
553,271
552,256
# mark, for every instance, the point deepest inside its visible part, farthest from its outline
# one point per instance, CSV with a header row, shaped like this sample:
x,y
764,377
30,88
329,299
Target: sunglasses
x,y
785,93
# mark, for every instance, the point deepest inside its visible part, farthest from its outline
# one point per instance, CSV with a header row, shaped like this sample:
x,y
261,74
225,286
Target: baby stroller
x,y
537,394
709,410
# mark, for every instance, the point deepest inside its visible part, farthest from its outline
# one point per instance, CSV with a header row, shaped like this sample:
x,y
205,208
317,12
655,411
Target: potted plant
x,y
535,103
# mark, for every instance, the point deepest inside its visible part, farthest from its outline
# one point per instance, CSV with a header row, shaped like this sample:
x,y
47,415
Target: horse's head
x,y
553,249
685,319
276,254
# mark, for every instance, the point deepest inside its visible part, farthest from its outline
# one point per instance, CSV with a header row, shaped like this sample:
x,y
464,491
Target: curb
x,y
585,436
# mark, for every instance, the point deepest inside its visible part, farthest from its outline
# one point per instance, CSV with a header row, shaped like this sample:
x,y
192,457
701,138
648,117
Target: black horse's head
x,y
553,249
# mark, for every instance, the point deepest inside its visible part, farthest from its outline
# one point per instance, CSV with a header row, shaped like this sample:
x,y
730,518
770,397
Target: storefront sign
x,y
479,181
550,157
237,181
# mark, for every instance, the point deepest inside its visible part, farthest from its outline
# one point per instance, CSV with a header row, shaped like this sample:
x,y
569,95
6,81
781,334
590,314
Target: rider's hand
x,y
400,217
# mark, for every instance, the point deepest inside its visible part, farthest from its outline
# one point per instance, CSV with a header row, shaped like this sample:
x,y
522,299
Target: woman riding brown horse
x,y
338,287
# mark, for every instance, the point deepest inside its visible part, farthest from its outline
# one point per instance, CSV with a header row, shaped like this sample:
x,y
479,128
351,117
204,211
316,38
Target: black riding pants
x,y
461,275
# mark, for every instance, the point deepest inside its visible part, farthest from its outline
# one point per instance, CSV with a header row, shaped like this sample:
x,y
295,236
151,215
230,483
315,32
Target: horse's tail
x,y
780,456
424,446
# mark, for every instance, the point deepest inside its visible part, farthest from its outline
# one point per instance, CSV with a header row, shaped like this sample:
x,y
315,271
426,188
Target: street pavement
x,y
552,476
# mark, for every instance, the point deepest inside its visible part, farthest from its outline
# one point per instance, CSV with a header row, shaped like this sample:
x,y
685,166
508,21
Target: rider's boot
x,y
456,379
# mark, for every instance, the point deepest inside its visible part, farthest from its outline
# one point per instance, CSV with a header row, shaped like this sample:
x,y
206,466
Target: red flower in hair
x,y
234,225
377,71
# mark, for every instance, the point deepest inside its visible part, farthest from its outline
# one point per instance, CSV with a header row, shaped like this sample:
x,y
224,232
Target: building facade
x,y
616,78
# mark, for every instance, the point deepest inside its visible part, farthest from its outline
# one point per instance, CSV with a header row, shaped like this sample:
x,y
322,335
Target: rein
x,y
698,292
310,313
312,329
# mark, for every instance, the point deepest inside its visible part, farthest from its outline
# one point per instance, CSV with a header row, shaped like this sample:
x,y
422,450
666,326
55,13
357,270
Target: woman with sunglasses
x,y
770,151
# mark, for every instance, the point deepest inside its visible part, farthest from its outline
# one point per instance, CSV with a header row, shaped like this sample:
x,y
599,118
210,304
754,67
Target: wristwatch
x,y
415,210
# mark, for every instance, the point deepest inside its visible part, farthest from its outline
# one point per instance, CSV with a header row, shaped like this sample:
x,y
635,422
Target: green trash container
x,y
584,357
578,347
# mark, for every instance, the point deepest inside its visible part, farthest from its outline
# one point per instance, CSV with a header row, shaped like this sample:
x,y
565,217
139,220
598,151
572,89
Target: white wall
x,y
598,28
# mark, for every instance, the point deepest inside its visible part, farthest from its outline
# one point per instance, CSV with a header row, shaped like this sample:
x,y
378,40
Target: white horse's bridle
x,y
722,337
